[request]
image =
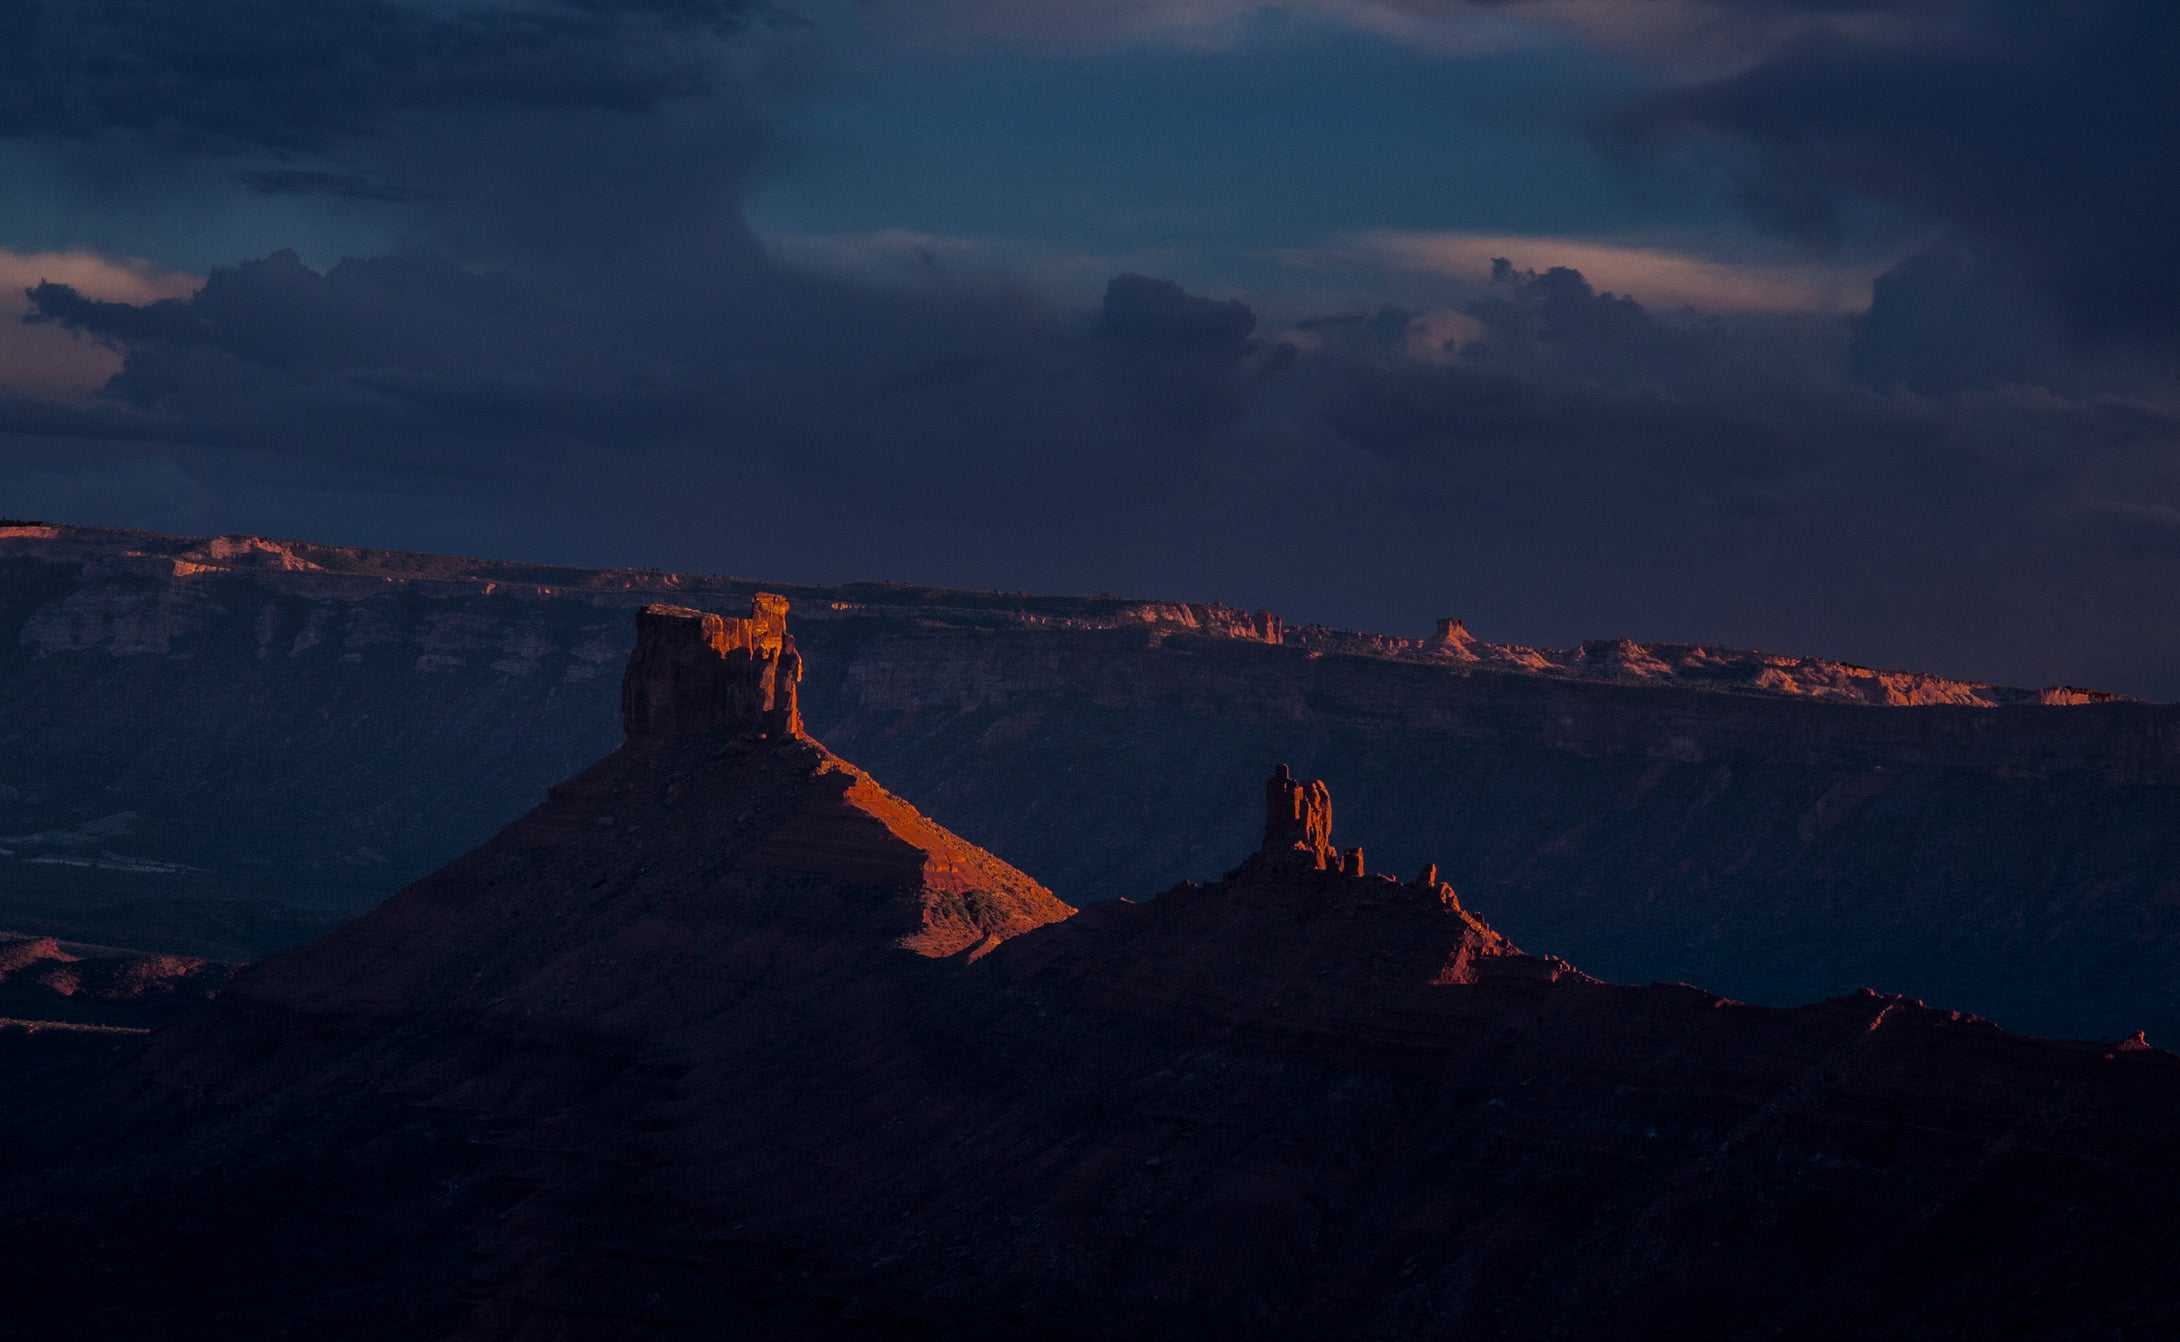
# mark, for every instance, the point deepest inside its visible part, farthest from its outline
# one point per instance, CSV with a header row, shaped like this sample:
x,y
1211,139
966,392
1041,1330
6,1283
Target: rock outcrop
x,y
618,1075
147,594
45,984
693,673
717,826
1450,636
1298,817
1298,838
301,730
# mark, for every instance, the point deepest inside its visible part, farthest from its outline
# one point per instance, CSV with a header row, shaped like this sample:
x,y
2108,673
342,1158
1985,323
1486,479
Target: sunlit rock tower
x,y
693,673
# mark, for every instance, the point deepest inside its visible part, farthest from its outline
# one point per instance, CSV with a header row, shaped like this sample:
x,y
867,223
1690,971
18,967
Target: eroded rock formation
x,y
1298,838
45,984
718,825
1298,817
693,673
622,1073
308,728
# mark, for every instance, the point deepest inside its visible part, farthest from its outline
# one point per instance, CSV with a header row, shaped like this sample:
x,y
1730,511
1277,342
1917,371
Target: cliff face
x,y
716,847
693,673
200,736
621,1074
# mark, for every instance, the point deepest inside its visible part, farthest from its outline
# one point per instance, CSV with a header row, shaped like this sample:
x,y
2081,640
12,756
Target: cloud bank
x,y
569,344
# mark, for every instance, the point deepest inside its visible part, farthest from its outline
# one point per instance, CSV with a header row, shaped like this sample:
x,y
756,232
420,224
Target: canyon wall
x,y
220,747
621,1073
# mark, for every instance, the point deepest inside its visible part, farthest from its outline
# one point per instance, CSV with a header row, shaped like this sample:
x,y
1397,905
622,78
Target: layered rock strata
x,y
291,732
1298,817
693,672
150,594
722,1041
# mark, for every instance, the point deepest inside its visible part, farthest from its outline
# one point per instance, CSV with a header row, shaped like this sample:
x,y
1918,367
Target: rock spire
x,y
1298,833
1298,816
693,672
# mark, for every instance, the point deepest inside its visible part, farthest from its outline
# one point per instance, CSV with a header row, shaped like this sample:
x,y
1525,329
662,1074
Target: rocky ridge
x,y
693,673
640,1067
45,984
612,907
220,748
105,617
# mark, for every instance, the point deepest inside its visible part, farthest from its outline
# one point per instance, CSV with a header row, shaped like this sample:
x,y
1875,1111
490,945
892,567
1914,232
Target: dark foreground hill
x,y
724,1041
221,748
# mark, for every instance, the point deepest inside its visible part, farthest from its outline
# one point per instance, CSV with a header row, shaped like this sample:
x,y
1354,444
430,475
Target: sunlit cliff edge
x,y
347,573
723,1038
223,748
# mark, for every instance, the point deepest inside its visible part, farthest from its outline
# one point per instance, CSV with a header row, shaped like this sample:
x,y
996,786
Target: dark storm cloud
x,y
560,136
277,322
1151,314
977,435
1557,319
31,417
1943,320
1387,327
479,354
1771,486
578,350
2041,137
168,320
2134,530
1570,390
309,182
1416,412
1173,357
221,75
461,365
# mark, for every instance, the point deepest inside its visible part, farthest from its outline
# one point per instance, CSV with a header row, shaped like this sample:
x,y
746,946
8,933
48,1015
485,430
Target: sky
x,y
1846,327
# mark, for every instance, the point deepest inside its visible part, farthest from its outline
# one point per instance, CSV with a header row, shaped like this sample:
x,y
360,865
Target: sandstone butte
x,y
724,1041
293,731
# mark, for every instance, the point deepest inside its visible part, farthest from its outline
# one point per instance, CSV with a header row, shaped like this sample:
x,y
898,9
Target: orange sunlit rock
x,y
694,672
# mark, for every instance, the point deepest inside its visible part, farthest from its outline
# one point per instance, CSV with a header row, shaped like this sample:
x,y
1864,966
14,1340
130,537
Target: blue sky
x,y
1250,158
1292,134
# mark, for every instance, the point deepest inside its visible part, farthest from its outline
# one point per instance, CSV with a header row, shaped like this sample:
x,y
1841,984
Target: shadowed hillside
x,y
724,1040
218,747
